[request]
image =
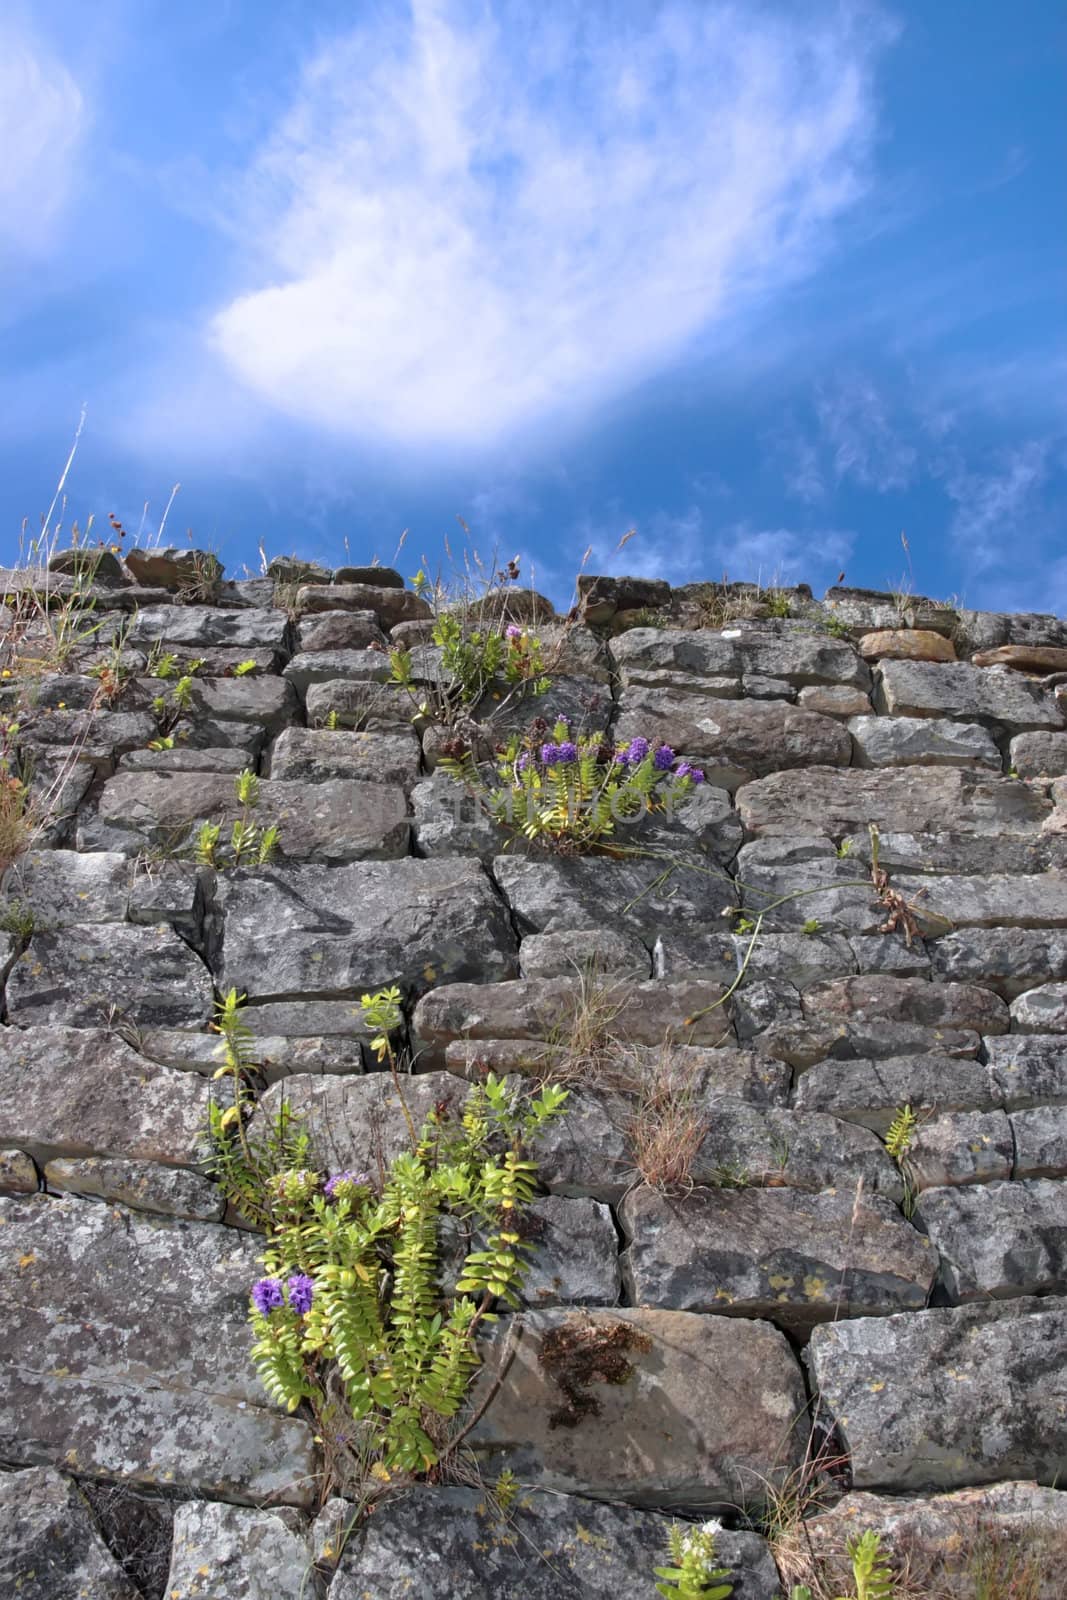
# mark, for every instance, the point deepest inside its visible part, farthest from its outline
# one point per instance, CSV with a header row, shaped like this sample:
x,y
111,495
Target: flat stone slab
x,y
1039,755
791,1257
1040,1139
63,889
196,627
922,741
947,1398
452,1544
996,1240
126,1355
1009,961
50,1548
734,740
687,1012
648,1407
871,1092
390,605
906,644
313,932
1041,1010
312,755
961,1147
78,1092
236,1553
333,820
603,951
1029,1070
108,971
932,1005
965,693
772,1148
842,802
1037,900
953,1545
642,897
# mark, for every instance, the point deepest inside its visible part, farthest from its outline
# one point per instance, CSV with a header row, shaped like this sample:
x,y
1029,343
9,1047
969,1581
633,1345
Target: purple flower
x,y
696,775
550,754
523,762
267,1296
663,760
301,1293
357,1180
512,632
637,750
568,751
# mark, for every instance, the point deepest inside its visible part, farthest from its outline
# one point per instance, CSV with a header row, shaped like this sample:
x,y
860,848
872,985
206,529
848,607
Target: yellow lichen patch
x,y
778,1280
814,1288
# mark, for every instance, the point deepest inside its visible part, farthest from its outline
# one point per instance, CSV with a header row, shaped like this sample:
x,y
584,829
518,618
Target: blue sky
x,y
769,284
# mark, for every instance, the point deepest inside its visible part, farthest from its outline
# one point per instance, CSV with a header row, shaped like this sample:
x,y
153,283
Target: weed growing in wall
x,y
350,1316
249,844
568,794
694,1573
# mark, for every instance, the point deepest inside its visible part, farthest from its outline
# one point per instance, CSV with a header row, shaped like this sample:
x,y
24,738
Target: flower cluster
x,y
268,1294
342,1185
570,791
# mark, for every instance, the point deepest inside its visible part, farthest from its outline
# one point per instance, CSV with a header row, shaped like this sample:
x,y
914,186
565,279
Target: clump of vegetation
x,y
568,794
870,1571
350,1302
694,1572
249,843
898,1142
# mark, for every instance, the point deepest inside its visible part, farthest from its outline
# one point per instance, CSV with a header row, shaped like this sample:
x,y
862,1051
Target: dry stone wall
x,y
772,984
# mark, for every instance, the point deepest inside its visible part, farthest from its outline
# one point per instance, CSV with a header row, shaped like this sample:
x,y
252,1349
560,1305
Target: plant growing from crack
x,y
694,1573
870,1571
899,1138
248,841
568,794
350,1300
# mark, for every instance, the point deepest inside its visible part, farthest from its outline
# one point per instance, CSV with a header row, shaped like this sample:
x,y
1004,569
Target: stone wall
x,y
797,1296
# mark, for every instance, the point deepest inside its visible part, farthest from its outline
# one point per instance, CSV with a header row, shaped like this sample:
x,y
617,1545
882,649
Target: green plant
x,y
898,1141
331,720
836,626
17,919
350,1297
569,794
844,849
812,925
164,742
244,669
778,603
647,617
693,1573
247,841
473,659
161,664
870,1571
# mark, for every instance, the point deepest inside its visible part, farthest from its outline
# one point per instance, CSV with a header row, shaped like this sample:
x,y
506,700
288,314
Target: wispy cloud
x,y
42,122
994,507
684,548
482,216
865,443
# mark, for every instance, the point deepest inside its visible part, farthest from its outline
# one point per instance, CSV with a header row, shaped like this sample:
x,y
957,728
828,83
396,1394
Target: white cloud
x,y
42,120
994,507
487,215
866,446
